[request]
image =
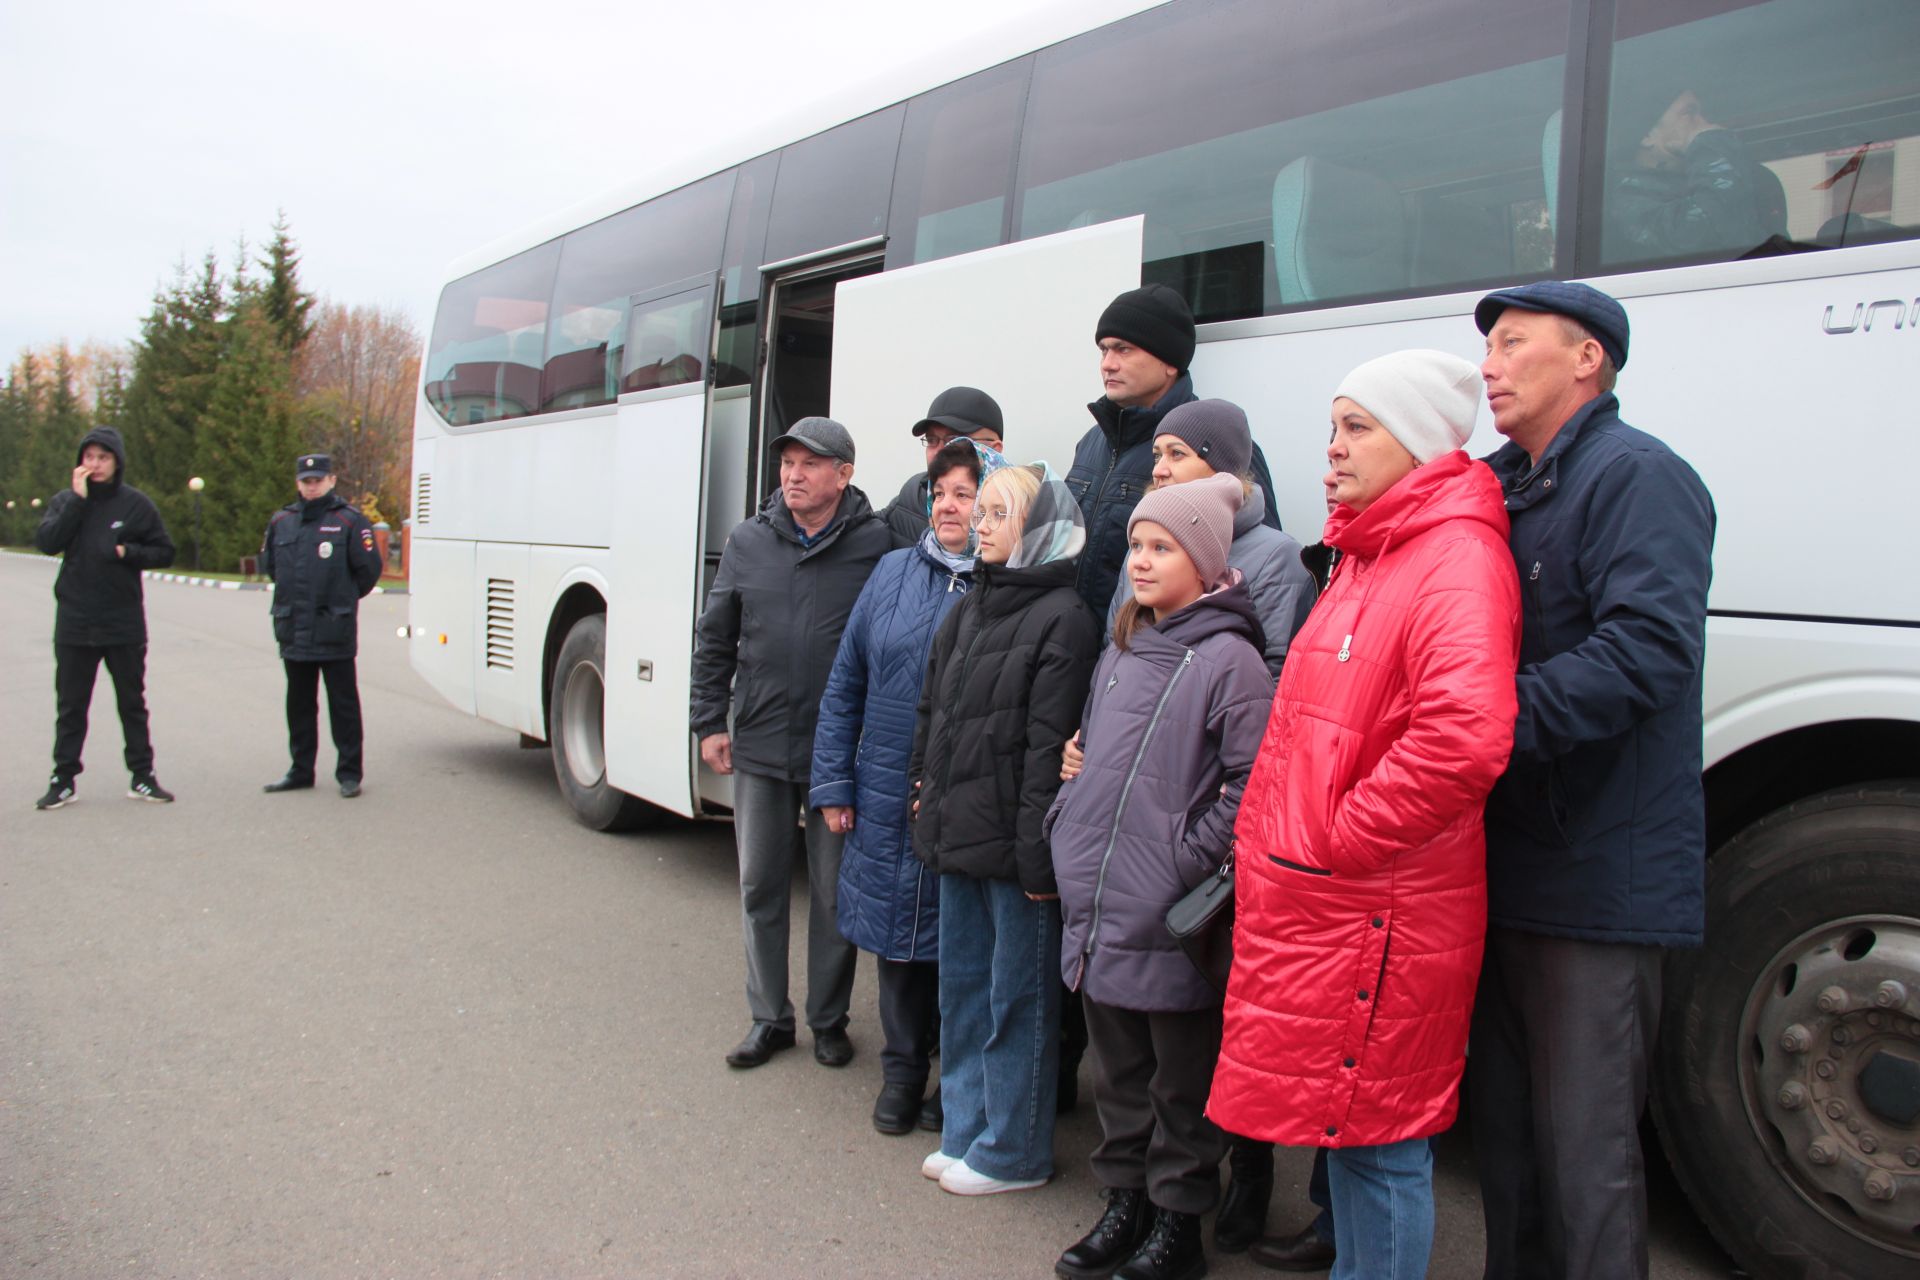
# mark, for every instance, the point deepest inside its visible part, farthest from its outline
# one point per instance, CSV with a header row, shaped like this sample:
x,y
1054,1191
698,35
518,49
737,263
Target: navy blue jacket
x,y
1598,828
322,559
1112,470
889,900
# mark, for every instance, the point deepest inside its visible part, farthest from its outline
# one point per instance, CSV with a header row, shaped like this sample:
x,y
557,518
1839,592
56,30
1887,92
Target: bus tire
x,y
576,714
1787,1084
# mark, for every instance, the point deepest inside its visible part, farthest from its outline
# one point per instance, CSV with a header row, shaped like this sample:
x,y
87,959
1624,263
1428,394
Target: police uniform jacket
x,y
322,559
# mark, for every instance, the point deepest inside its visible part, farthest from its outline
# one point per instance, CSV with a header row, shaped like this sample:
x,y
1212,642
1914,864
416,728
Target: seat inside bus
x,y
1337,232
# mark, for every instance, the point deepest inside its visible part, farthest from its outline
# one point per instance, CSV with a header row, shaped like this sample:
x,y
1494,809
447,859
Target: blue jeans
x,y
999,1027
1382,1210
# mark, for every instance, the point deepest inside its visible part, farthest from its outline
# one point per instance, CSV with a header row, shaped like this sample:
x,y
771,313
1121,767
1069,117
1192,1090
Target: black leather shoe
x,y
832,1048
933,1117
1301,1251
289,783
350,788
762,1042
1243,1211
896,1109
1171,1251
1114,1238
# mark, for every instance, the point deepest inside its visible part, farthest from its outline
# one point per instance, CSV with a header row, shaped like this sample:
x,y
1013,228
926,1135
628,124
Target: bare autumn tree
x,y
356,377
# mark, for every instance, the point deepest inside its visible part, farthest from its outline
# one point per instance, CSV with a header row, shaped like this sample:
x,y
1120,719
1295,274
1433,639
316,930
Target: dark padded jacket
x,y
889,901
322,559
766,640
907,516
1598,828
1006,683
1173,725
1112,470
98,595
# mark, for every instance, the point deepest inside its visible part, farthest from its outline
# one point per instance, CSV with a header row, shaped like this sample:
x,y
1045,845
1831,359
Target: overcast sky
x,y
395,134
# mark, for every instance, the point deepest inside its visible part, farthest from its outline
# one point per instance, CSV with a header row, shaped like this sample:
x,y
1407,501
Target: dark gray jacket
x,y
322,559
1173,725
765,643
908,516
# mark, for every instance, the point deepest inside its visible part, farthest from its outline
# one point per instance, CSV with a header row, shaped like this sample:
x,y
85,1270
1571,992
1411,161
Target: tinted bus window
x,y
603,264
832,188
956,166
740,270
1294,154
1737,130
489,336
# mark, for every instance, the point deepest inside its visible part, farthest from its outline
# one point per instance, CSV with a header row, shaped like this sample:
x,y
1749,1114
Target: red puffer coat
x,y
1361,904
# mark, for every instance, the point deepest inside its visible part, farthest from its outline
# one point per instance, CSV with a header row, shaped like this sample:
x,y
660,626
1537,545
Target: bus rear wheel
x,y
1787,1088
576,720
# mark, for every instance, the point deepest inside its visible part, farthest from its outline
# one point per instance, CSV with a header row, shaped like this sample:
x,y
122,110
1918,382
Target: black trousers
x,y
343,716
1152,1073
909,1019
1562,1039
74,669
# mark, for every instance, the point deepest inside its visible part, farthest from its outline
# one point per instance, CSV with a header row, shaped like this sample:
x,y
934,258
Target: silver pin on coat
x,y
1346,649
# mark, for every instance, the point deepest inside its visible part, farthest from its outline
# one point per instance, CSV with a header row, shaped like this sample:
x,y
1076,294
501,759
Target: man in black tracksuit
x,y
320,554
107,531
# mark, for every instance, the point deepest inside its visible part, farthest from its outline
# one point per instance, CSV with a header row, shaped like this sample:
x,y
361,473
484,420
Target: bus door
x,y
658,462
1016,321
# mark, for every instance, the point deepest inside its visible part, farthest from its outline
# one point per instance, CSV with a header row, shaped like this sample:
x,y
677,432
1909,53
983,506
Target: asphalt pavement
x,y
440,1030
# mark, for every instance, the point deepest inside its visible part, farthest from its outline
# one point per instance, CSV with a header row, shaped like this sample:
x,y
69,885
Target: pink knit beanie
x,y
1199,515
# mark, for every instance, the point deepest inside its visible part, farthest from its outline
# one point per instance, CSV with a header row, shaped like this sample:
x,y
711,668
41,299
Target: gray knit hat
x,y
1216,430
1199,515
1426,399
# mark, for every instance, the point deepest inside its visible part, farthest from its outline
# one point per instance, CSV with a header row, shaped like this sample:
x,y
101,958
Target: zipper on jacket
x,y
1119,810
966,664
1535,575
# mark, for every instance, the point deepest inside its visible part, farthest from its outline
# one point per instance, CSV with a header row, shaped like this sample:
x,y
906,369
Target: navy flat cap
x,y
1599,314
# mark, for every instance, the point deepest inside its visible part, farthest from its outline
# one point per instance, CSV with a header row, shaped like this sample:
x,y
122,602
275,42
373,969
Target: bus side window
x,y
1739,131
1292,155
484,358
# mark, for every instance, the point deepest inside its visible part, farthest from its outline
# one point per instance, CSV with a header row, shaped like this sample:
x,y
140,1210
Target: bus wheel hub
x,y
1834,1075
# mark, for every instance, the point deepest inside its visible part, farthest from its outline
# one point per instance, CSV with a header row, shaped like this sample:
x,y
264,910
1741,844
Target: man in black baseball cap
x,y
1596,834
955,412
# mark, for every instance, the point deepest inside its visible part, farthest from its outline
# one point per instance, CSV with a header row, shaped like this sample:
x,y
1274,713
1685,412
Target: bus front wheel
x,y
1787,1088
576,718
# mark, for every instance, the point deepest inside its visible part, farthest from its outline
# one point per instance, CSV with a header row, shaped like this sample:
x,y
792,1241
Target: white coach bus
x,y
1326,180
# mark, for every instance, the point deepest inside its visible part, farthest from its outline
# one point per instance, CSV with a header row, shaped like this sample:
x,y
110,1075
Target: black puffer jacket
x,y
98,590
907,516
1006,683
766,640
322,559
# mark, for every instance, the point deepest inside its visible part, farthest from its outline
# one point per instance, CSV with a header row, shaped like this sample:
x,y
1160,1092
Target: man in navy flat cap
x,y
1596,835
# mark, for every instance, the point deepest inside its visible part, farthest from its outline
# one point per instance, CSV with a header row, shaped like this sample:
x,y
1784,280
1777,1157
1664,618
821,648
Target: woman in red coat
x,y
1361,855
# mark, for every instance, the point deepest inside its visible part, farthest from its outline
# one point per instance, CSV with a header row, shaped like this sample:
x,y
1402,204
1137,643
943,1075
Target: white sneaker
x,y
963,1181
936,1164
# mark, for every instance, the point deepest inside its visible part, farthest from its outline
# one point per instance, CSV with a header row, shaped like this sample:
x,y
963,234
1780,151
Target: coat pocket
x,y
1279,861
332,628
283,624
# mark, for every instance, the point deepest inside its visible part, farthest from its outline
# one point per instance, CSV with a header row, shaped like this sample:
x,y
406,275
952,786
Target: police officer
x,y
320,554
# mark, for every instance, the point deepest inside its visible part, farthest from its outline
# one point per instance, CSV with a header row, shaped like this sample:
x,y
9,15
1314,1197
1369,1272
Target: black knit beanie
x,y
1153,318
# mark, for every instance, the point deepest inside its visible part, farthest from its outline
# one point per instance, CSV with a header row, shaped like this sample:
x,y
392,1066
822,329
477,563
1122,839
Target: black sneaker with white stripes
x,y
147,787
60,794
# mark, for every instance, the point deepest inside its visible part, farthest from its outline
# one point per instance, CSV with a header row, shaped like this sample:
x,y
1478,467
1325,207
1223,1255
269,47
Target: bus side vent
x,y
500,623
423,498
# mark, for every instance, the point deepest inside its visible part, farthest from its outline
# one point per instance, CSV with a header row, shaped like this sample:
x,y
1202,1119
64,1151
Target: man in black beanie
x,y
1146,342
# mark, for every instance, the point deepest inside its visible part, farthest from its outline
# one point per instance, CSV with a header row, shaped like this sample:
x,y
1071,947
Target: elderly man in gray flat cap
x,y
787,582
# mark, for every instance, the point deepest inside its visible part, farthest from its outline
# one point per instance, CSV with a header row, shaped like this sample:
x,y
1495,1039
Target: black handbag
x,y
1202,923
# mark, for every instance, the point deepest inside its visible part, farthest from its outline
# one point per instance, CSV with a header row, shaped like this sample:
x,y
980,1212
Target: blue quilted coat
x,y
889,901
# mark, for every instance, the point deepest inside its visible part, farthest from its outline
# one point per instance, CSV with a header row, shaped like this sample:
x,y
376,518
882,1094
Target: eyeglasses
x,y
984,519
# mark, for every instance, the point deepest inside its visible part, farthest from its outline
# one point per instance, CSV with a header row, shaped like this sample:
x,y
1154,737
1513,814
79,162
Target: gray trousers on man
x,y
1562,1038
766,828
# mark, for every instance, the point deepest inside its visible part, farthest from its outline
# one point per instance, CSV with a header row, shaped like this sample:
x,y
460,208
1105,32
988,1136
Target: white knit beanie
x,y
1427,399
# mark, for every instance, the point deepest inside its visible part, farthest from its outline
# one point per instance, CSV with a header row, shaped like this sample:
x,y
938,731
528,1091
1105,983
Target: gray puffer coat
x,y
1173,725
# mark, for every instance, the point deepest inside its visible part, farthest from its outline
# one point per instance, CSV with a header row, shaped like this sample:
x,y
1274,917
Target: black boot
x,y
1172,1250
1243,1212
1113,1239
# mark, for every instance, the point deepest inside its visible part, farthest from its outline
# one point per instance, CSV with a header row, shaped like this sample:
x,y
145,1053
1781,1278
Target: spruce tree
x,y
245,444
287,305
174,364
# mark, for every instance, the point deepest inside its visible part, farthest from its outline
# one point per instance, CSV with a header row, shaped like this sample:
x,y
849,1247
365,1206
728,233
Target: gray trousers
x,y
1152,1073
766,829
1562,1039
